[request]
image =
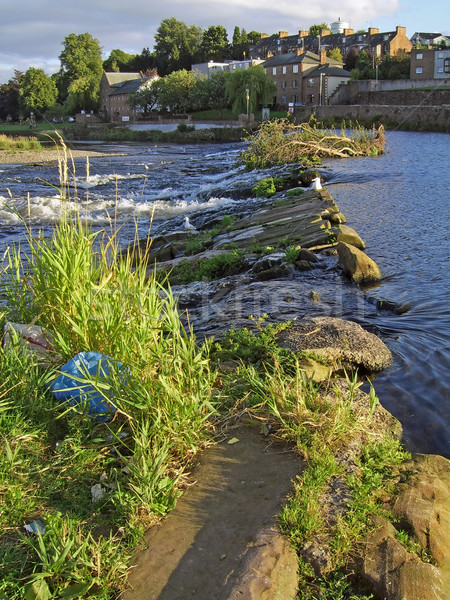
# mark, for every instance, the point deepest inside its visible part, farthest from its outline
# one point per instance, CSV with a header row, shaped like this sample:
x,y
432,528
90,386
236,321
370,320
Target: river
x,y
398,202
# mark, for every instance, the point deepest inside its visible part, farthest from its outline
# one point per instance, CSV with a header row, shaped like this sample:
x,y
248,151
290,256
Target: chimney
x,y
373,30
264,35
283,34
400,30
348,32
302,33
323,57
324,32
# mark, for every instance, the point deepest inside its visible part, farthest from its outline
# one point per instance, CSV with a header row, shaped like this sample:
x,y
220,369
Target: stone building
x,y
115,89
304,78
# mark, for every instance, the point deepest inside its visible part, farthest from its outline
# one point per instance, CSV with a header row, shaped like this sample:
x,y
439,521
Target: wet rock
x,y
337,218
341,344
349,236
304,254
357,264
275,272
395,307
268,262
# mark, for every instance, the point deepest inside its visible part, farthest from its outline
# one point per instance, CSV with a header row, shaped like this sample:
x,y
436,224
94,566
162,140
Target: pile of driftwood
x,y
281,141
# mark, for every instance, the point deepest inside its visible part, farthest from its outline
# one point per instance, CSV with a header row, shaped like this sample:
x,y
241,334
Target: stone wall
x,y
420,117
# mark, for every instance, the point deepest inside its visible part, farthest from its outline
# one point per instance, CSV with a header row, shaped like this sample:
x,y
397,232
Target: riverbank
x,y
43,156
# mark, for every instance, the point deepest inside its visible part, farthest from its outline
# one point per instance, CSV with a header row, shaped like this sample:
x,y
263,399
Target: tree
x,y
395,67
209,93
176,45
214,44
119,61
335,54
316,29
38,91
351,57
174,91
145,62
261,89
9,97
81,71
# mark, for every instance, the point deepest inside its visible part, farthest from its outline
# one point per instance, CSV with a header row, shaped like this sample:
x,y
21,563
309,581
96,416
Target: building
x,y
430,39
430,63
304,77
378,44
115,89
212,67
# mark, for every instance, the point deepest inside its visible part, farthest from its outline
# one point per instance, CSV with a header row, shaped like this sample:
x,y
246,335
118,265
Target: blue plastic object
x,y
73,384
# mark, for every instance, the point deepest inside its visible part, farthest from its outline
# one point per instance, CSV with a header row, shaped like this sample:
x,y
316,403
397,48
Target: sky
x,y
32,31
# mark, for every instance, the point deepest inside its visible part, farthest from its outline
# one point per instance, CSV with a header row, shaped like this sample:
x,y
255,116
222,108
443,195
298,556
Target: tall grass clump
x,y
90,296
19,143
281,141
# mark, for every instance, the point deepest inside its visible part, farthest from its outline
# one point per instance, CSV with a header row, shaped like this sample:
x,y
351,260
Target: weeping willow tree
x,y
281,141
261,89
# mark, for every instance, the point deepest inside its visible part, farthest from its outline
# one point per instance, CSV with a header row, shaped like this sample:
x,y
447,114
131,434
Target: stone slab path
x,y
222,542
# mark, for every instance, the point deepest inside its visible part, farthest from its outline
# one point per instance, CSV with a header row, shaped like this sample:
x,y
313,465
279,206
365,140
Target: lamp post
x,y
248,101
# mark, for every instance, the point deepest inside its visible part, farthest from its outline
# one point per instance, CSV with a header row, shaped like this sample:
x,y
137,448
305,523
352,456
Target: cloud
x,y
32,32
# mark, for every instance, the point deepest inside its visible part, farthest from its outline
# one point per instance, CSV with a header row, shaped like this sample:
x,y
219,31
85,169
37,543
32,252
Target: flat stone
x,y
221,542
349,236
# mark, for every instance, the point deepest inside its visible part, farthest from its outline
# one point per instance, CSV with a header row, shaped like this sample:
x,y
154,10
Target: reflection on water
x,y
398,203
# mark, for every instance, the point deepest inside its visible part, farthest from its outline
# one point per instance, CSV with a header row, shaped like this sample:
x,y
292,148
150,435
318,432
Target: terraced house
x,y
379,44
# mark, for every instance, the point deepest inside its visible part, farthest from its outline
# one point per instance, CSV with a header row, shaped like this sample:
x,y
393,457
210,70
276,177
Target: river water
x,y
398,202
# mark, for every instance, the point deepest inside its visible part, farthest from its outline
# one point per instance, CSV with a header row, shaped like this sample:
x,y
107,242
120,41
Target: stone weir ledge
x,y
213,267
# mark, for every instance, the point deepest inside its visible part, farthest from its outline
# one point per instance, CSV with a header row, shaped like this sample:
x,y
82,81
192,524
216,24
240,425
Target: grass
x,y
51,455
21,143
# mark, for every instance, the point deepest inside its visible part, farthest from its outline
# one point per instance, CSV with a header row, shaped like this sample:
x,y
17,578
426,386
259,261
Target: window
x,y
419,70
283,99
274,70
283,85
447,65
311,82
284,70
440,69
419,56
295,68
294,83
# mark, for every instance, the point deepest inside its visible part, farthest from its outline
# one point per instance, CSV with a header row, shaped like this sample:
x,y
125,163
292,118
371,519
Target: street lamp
x,y
248,100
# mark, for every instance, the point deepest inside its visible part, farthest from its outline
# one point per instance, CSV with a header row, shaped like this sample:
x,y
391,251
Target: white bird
x,y
188,226
316,185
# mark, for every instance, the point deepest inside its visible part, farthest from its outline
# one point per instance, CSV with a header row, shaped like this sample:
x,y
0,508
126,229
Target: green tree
x,y
261,89
81,71
38,91
214,44
9,97
335,54
365,65
119,61
174,91
395,67
209,93
176,45
145,62
316,29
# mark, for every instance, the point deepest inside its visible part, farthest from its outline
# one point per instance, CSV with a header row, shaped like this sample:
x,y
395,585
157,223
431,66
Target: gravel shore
x,y
50,155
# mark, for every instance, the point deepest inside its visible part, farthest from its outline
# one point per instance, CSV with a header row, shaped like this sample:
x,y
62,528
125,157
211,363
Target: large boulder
x,y
341,344
357,264
349,236
423,511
